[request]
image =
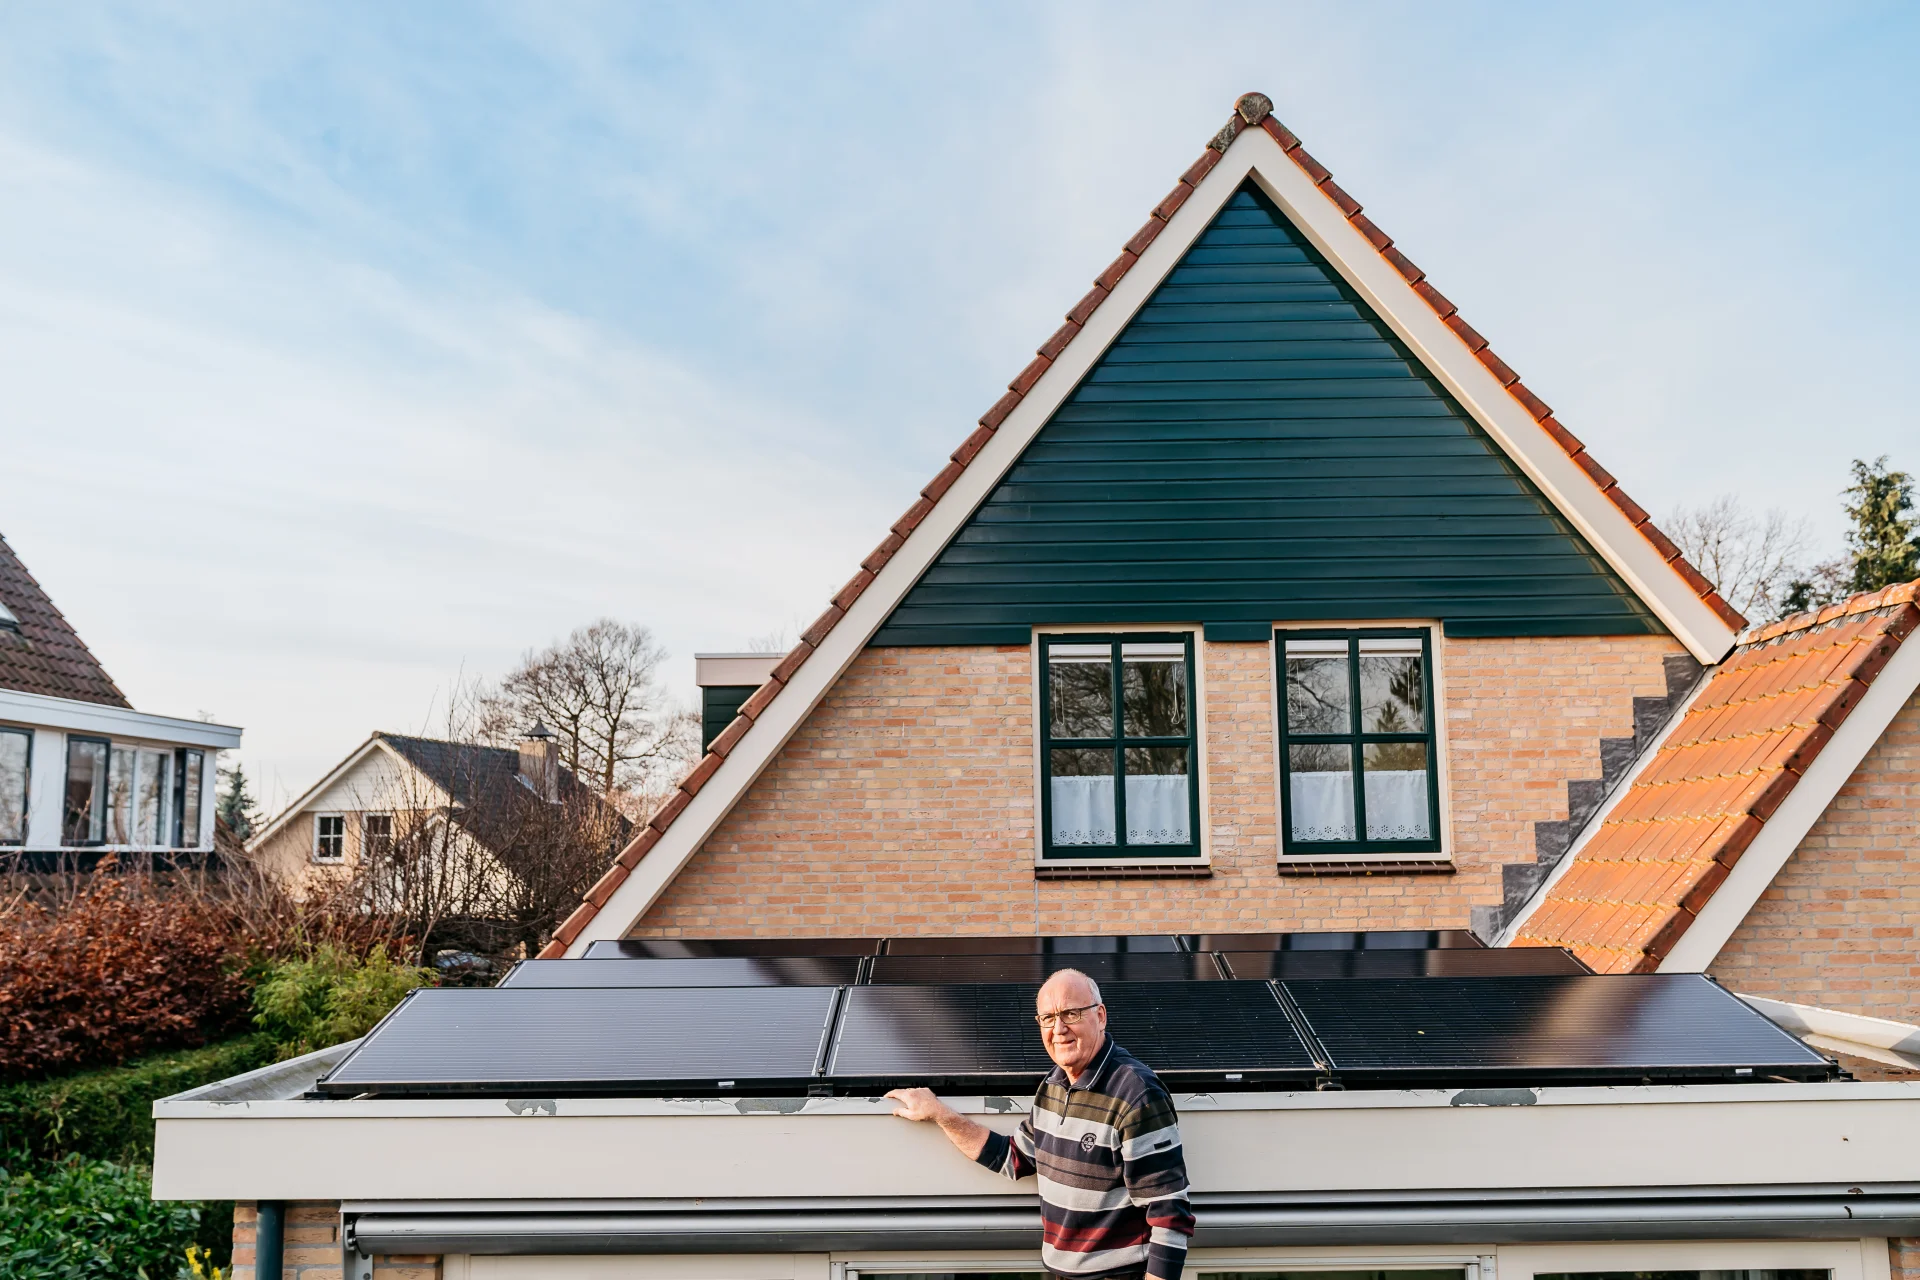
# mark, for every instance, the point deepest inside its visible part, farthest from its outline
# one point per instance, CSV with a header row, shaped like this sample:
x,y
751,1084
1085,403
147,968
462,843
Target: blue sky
x,y
350,349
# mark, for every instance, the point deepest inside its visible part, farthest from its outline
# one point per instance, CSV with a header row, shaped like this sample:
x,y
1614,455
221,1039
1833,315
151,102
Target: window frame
x,y
102,793
182,798
367,836
1119,853
26,786
1291,850
341,835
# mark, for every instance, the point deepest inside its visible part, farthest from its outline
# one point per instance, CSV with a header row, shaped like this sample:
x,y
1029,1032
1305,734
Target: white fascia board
x,y
1881,1039
1447,357
1754,1135
1789,825
850,635
72,715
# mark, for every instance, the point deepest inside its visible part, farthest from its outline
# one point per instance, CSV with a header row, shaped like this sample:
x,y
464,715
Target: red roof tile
x,y
1251,110
42,653
1755,728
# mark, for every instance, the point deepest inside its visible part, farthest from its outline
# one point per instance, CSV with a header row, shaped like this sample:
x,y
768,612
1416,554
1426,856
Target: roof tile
x,y
46,655
1663,847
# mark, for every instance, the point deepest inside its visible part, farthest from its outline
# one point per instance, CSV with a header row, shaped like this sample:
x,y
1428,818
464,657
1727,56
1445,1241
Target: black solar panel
x,y
1456,963
1216,1033
548,1041
1361,940
1543,1029
1026,944
1148,966
702,948
727,971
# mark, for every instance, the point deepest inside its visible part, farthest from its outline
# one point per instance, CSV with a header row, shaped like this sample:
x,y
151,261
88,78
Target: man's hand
x,y
921,1104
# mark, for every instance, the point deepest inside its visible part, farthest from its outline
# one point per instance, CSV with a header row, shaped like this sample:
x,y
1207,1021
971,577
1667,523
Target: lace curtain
x,y
1321,805
1157,810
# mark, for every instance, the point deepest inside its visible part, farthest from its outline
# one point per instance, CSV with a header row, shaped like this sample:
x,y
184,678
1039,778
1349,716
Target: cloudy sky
x,y
350,349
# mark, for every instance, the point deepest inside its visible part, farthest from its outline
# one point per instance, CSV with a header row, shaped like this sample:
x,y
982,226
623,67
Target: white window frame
x,y
1201,764
318,818
1443,777
1864,1258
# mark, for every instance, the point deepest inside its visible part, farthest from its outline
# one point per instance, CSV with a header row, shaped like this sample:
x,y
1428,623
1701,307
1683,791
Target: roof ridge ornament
x,y
1251,109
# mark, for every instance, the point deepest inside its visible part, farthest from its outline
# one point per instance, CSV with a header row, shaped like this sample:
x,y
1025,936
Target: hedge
x,y
95,1220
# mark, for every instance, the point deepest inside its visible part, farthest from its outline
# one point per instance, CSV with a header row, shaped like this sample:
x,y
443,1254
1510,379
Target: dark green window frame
x,y
1119,743
1356,742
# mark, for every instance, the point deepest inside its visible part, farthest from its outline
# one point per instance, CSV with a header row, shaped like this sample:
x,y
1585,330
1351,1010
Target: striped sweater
x,y
1113,1178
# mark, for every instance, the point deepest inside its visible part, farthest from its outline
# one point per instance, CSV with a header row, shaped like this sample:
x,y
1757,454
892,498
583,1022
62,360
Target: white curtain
x,y
1322,805
1157,810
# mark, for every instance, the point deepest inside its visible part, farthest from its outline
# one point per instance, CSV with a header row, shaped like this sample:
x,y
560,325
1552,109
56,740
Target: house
x,y
1268,626
83,776
478,811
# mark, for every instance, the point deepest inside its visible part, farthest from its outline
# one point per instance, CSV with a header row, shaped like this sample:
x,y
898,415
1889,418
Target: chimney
x,y
540,763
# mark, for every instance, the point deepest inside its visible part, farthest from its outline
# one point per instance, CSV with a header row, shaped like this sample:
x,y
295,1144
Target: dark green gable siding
x,y
1257,447
719,704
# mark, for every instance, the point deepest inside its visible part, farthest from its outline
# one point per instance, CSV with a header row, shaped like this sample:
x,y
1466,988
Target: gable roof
x,y
1252,145
42,653
1682,854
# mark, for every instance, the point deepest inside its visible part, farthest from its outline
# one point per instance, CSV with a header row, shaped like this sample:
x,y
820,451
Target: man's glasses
x,y
1065,1017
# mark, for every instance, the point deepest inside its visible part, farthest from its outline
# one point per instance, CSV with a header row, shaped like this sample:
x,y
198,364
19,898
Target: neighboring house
x,y
393,785
1268,612
82,774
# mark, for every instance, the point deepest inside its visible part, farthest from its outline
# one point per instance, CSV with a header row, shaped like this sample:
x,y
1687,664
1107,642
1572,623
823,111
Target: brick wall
x,y
905,804
1837,927
312,1246
1905,1258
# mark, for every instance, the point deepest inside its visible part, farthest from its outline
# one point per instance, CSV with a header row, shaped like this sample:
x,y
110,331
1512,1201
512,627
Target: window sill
x,y
1366,864
1130,869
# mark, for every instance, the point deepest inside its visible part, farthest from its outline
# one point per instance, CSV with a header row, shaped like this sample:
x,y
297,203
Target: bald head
x,y
1069,988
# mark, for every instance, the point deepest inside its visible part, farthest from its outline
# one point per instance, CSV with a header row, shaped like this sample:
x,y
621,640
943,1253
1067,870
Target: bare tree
x,y
1751,559
599,691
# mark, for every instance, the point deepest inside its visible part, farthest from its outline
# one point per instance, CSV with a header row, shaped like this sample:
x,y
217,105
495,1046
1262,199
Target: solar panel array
x,y
1207,1012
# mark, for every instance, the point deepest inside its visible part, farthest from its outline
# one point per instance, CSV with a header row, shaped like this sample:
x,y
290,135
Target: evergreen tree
x,y
236,806
1882,541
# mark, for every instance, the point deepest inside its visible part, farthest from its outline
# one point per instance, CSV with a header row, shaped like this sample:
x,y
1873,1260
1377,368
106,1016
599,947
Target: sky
x,y
349,350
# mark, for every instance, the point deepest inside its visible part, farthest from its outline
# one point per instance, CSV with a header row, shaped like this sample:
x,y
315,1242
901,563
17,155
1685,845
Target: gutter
x,y
1556,1217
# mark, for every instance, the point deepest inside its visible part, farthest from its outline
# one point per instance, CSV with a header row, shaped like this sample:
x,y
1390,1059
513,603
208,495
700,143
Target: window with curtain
x,y
86,806
1357,749
1119,768
16,753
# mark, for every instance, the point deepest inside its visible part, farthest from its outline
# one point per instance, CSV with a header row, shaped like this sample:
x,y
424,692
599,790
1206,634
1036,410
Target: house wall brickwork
x,y
311,1246
1838,926
905,804
1904,1258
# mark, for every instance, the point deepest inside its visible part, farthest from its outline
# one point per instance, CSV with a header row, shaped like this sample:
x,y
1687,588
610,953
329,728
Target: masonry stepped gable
x,y
1255,446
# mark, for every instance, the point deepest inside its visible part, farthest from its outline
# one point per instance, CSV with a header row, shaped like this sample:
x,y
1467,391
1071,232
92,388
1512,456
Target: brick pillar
x,y
245,1214
1905,1258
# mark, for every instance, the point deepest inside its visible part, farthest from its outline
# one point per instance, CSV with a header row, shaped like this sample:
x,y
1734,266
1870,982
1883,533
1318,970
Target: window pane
x,y
377,836
191,762
1393,692
1154,688
1080,681
1396,781
153,790
1318,695
13,786
1081,791
120,797
331,845
1158,788
86,818
1320,791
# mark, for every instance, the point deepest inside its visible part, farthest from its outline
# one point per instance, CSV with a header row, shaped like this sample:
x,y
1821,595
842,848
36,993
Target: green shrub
x,y
333,995
92,1220
107,1114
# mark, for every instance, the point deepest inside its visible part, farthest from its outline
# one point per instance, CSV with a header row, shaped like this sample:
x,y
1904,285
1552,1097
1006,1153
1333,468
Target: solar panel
x,y
1456,963
722,971
1218,1033
1545,1029
703,948
1359,940
1144,966
1025,944
548,1041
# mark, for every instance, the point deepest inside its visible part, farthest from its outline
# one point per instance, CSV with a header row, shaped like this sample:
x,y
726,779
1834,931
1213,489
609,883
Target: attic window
x,y
7,621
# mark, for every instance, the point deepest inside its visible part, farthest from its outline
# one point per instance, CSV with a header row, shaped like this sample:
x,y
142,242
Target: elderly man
x,y
1103,1138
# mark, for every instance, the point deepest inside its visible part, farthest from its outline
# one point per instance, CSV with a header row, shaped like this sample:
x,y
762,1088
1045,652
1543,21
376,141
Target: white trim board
x,y
1253,153
75,716
1783,832
1880,1039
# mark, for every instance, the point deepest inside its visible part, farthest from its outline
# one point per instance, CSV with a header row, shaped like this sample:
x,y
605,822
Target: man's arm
x,y
967,1136
1155,1168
